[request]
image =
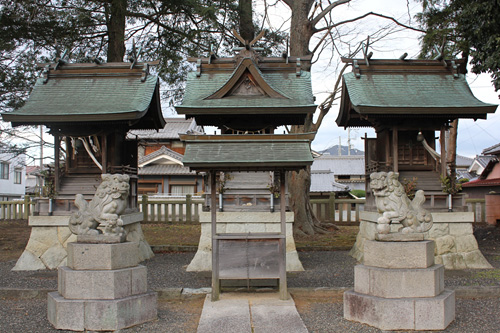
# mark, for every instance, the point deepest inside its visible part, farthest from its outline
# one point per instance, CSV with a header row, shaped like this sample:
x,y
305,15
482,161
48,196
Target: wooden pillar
x,y
215,245
395,149
104,150
57,143
387,149
442,143
282,239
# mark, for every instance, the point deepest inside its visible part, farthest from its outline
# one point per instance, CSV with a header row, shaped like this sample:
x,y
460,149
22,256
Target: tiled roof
x,y
172,128
463,161
165,169
240,152
416,93
162,151
483,182
340,165
87,98
495,149
325,182
297,88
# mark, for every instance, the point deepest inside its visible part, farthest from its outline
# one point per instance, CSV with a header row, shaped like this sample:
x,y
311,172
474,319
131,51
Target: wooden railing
x,y
170,210
16,209
338,211
478,207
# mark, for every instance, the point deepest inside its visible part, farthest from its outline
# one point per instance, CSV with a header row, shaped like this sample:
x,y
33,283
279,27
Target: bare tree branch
x,y
368,14
328,10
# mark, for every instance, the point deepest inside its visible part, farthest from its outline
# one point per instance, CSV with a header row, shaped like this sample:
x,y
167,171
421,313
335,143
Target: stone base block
x,y
399,283
102,284
428,313
101,315
83,256
409,254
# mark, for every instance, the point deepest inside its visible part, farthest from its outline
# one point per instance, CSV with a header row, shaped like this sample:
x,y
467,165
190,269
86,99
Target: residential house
x,y
488,169
12,176
161,171
348,170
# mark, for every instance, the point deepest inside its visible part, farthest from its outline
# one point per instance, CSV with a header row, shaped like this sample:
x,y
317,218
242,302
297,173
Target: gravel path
x,y
330,269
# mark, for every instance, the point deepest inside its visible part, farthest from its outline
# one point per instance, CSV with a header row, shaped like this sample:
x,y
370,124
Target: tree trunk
x,y
116,19
246,20
301,29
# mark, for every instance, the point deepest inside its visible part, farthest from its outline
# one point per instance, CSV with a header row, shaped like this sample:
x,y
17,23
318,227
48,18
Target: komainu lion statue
x,y
392,202
108,203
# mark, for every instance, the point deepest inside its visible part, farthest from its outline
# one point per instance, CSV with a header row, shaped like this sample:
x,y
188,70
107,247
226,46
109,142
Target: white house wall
x,y
9,190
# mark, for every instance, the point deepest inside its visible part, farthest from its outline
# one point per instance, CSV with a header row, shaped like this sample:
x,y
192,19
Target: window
x,y
180,190
17,176
4,170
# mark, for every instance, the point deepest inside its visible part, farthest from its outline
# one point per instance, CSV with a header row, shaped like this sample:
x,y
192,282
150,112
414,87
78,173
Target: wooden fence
x,y
16,209
478,207
338,211
170,210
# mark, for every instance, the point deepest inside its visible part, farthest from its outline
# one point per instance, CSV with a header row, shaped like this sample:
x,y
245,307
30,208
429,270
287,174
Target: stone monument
x,y
103,287
399,287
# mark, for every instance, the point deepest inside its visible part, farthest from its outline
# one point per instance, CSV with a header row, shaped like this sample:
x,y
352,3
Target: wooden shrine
x,y
91,107
406,102
247,96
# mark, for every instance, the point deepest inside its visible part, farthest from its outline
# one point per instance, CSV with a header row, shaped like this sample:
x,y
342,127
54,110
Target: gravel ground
x,y
330,269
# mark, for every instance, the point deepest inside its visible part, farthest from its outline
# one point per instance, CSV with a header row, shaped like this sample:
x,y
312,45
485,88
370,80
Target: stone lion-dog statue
x,y
104,210
395,206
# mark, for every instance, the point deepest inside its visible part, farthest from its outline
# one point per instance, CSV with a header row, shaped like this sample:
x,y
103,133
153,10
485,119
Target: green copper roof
x,y
89,98
296,89
247,154
415,93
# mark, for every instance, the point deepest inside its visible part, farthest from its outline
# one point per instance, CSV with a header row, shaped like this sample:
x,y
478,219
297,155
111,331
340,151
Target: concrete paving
x,y
250,312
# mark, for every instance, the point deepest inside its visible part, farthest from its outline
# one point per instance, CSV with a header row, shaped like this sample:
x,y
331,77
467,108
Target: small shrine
x,y
406,101
96,244
247,97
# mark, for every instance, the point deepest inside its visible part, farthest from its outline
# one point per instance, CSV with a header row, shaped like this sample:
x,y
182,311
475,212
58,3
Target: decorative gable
x,y
246,80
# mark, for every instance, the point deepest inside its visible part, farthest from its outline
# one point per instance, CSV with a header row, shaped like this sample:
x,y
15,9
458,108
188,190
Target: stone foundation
x,y
50,235
243,222
400,288
456,247
101,293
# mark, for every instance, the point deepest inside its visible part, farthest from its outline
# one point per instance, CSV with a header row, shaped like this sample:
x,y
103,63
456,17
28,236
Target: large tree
x,y
310,18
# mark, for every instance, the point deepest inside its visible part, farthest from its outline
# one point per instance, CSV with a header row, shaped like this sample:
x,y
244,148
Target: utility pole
x,y
41,147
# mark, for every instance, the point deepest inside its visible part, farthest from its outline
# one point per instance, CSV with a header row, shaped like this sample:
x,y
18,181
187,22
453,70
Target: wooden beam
x,y
57,143
215,242
104,150
395,149
442,143
282,241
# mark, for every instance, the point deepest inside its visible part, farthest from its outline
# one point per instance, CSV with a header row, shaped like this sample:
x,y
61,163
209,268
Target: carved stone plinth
x,y
400,288
103,289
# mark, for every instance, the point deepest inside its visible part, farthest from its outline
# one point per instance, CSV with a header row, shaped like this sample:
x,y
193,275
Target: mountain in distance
x,y
334,150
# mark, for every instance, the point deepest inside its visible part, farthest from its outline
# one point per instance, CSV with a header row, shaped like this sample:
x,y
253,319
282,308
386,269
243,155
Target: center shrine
x,y
247,97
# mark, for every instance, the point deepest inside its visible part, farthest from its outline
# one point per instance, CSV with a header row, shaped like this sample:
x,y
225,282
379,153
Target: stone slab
x,y
48,221
399,283
101,315
399,254
399,237
400,313
100,239
244,312
82,256
102,284
246,217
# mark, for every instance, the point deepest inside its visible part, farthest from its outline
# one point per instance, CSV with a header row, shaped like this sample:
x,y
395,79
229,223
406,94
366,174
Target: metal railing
x,y
171,210
338,211
16,209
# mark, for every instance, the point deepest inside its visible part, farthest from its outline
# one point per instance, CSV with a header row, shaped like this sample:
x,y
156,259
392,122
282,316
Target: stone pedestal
x,y
455,245
103,288
243,222
50,235
400,288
